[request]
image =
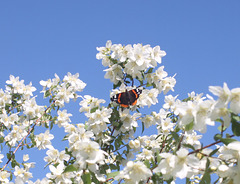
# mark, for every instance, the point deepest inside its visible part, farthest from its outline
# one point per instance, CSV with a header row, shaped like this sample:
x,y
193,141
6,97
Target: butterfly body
x,y
127,98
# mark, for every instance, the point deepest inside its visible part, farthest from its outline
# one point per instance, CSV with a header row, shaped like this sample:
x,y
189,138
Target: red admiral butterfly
x,y
127,98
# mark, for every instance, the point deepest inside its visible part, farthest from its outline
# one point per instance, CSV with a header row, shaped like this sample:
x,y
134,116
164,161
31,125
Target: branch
x,y
29,131
200,149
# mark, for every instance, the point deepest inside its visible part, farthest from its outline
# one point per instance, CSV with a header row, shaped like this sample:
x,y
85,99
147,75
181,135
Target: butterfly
x,y
127,98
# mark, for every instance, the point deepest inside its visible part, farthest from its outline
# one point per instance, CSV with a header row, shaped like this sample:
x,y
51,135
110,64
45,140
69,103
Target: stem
x,y
197,150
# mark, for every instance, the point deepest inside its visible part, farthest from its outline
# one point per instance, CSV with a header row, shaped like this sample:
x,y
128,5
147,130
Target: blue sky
x,y
40,38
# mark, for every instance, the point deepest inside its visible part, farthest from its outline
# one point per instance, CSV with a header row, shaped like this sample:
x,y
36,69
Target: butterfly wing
x,y
121,98
133,96
127,98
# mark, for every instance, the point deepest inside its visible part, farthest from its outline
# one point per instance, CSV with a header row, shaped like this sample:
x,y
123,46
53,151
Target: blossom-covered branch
x,y
108,147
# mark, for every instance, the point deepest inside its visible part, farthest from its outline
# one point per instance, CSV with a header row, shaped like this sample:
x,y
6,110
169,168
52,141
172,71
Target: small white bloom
x,y
25,157
134,172
43,140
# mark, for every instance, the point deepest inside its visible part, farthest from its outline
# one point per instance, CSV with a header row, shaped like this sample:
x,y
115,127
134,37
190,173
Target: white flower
x,y
98,120
88,153
64,94
49,83
183,160
25,157
17,133
43,140
28,89
21,175
169,102
4,175
114,73
192,138
91,152
223,93
221,111
157,55
78,134
148,97
224,171
235,100
16,84
186,113
135,144
8,121
31,109
5,98
134,172
54,156
157,76
89,103
129,121
166,165
166,84
202,116
74,81
103,51
231,155
46,84
145,155
63,118
56,172
148,121
138,58
166,126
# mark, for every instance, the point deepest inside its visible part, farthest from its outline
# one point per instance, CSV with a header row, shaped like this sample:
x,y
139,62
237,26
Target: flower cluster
x,y
107,147
126,63
183,157
63,91
131,60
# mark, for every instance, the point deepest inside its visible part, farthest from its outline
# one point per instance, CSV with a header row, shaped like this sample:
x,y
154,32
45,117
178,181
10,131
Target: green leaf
x,y
235,127
70,168
47,93
149,85
217,137
150,70
147,163
189,126
93,109
112,174
113,167
11,176
188,181
213,152
86,178
222,128
143,127
157,178
226,141
51,125
1,139
236,118
14,163
175,136
189,146
206,179
186,99
117,85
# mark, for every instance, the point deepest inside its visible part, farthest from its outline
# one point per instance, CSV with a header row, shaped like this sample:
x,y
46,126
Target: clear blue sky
x,y
40,38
